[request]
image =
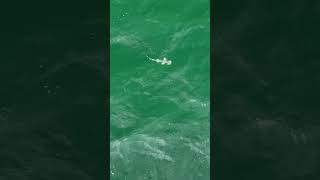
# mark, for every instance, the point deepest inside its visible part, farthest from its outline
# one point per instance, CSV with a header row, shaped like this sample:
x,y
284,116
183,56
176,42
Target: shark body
x,y
161,61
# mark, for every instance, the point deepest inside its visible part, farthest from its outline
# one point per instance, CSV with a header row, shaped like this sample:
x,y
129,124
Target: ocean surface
x,y
53,108
53,91
159,116
266,90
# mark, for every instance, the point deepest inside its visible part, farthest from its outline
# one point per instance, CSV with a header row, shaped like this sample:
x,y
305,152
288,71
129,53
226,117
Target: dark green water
x,y
53,90
159,113
266,90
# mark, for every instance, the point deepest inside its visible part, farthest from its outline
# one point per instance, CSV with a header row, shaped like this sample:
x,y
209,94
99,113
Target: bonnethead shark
x,y
162,61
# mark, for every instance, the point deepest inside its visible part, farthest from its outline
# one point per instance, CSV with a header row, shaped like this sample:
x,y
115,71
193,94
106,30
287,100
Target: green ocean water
x,y
159,113
53,91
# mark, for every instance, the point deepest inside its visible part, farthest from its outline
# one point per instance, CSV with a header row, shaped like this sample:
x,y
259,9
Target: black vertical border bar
x,y
211,89
108,86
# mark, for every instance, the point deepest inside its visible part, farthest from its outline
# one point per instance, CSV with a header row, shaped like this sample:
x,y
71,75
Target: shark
x,y
161,61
